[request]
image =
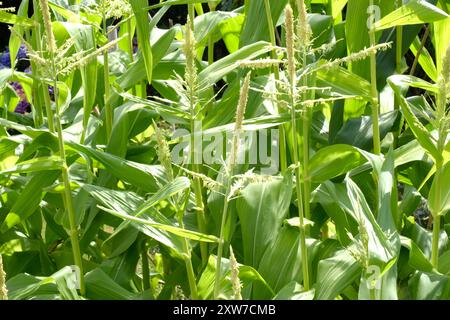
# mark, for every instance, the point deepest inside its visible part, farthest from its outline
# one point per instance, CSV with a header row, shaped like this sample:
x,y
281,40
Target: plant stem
x,y
221,242
419,51
191,12
145,268
229,173
399,47
187,249
212,8
298,188
292,76
283,159
435,244
307,120
197,185
108,108
67,191
44,88
131,49
195,156
436,215
375,101
73,232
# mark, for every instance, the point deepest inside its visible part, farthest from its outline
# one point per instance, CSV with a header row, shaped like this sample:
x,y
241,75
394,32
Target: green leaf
x,y
417,259
59,285
84,38
99,286
333,161
174,3
439,204
247,276
9,18
30,198
420,132
429,286
441,40
216,71
425,60
143,33
140,175
281,262
444,263
294,291
193,235
160,45
413,12
261,208
14,40
344,82
335,274
256,26
37,164
172,188
358,131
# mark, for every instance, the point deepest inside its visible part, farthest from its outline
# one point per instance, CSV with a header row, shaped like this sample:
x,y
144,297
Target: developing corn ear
x,y
240,150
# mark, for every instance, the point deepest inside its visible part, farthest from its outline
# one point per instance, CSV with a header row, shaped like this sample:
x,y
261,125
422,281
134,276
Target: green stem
x,y
67,189
283,153
199,9
187,250
399,44
272,35
191,12
398,68
108,108
44,88
375,101
373,294
197,186
307,120
306,177
283,148
191,275
436,216
38,114
435,245
131,49
218,276
419,51
303,248
212,8
145,268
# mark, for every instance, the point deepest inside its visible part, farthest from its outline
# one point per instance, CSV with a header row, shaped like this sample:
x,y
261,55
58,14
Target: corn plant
x,y
240,150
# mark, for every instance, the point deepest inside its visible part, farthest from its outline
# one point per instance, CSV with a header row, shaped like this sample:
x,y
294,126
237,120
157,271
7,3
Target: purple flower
x,y
135,45
23,107
5,59
19,89
22,53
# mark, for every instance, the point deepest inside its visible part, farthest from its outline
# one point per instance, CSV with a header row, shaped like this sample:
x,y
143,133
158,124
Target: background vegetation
x,y
92,93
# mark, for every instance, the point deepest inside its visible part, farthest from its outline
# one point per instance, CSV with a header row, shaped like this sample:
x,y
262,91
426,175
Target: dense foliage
x,y
258,149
